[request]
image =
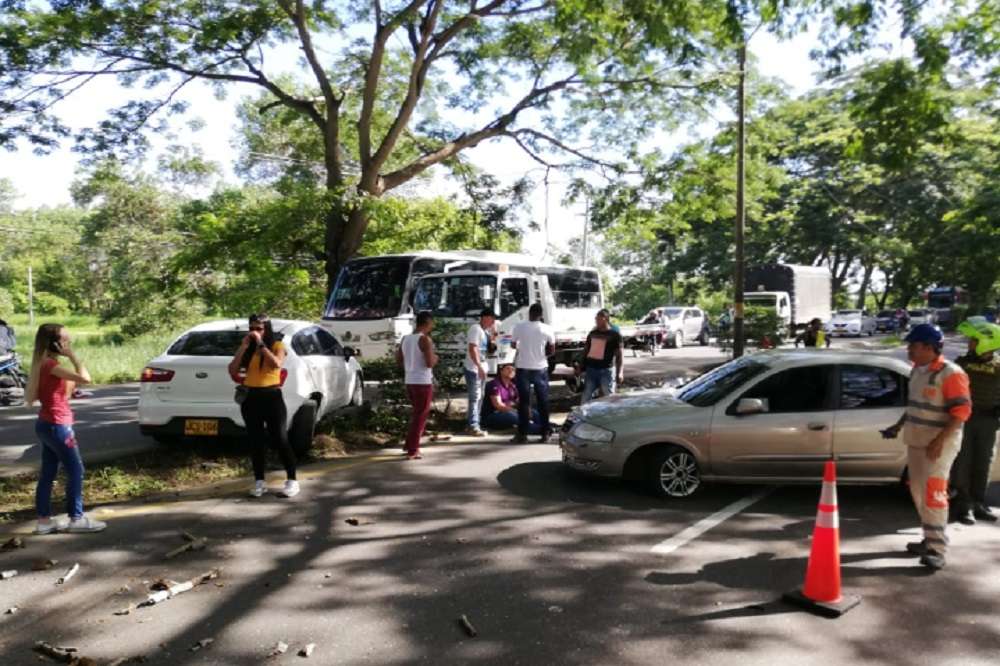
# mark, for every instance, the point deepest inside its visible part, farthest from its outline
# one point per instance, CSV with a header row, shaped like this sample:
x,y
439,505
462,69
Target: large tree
x,y
410,83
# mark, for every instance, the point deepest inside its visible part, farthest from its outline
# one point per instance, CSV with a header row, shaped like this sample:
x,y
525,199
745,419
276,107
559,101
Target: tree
x,y
416,81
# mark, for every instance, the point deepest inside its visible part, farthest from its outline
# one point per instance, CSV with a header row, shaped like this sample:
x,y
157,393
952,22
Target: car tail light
x,y
284,376
156,375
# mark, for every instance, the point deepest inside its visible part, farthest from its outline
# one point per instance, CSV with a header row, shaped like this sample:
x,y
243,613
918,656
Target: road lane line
x,y
692,532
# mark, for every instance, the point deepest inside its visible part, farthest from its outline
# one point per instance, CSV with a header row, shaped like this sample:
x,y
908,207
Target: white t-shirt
x,y
477,336
414,362
531,338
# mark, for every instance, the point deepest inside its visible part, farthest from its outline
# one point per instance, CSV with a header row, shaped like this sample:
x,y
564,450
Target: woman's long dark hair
x,y
268,339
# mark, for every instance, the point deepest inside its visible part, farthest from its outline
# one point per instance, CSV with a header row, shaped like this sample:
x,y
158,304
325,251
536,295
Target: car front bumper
x,y
590,457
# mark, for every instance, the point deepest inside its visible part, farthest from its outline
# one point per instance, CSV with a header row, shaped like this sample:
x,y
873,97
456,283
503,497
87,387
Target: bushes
x,y
6,304
50,304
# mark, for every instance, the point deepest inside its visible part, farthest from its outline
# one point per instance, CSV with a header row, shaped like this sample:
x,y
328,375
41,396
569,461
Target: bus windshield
x,y
369,289
459,296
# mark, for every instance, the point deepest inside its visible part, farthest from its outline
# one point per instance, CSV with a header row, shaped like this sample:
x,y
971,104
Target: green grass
x,y
110,359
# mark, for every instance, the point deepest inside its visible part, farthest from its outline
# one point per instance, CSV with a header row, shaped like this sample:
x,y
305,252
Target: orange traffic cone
x,y
821,593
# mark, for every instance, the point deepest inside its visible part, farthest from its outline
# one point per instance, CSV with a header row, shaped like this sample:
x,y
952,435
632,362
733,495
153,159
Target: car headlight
x,y
592,433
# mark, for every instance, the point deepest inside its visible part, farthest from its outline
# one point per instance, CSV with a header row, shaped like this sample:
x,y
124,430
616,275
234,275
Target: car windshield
x,y
711,387
459,296
848,313
207,343
369,289
761,300
916,313
672,313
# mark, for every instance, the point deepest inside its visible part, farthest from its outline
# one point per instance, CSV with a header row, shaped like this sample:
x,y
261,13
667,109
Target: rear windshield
x,y
207,343
916,313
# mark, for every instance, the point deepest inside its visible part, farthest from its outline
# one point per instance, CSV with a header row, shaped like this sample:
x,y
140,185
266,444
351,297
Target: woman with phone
x,y
260,356
52,384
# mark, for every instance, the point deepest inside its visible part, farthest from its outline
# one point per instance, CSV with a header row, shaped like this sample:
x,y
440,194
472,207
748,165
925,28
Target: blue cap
x,y
926,333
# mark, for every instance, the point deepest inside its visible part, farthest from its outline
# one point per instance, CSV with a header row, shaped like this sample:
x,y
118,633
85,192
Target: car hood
x,y
631,406
845,319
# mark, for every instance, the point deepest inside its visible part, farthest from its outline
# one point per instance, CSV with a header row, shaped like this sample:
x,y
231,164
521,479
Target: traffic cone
x,y
821,593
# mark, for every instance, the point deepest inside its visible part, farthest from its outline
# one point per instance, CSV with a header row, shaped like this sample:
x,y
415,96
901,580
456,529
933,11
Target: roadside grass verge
x,y
110,358
163,471
891,341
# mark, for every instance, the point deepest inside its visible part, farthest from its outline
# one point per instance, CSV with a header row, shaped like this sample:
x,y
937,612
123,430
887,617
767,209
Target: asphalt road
x,y
549,568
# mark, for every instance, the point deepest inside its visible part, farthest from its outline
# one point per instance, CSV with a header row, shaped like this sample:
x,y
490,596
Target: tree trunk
x,y
345,230
865,282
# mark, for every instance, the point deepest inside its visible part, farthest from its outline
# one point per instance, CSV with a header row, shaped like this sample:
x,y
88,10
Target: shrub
x,y
50,304
6,304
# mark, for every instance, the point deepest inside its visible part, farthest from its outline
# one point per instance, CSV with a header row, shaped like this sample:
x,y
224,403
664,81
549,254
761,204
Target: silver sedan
x,y
770,417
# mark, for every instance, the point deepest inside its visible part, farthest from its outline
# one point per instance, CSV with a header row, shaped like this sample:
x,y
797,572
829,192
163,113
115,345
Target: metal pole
x,y
738,329
31,300
586,231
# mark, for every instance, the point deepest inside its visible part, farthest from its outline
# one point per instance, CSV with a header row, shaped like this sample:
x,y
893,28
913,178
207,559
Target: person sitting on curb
x,y
500,404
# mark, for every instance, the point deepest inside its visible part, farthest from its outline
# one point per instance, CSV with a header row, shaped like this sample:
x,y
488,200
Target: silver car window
x,y
804,389
865,386
713,386
305,344
328,344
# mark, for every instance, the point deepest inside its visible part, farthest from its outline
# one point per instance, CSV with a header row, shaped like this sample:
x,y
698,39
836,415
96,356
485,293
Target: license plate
x,y
201,427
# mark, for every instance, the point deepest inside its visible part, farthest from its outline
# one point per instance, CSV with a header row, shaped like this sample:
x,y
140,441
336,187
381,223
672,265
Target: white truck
x,y
459,296
798,294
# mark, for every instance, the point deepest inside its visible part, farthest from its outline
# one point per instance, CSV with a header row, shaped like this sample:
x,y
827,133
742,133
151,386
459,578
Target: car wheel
x,y
678,340
703,338
673,473
358,397
300,435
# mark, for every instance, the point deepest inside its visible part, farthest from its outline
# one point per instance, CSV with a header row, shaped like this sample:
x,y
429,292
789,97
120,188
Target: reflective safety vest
x,y
938,392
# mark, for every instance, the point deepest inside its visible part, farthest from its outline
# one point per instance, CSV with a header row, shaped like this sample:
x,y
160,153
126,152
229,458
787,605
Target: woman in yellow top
x,y
261,356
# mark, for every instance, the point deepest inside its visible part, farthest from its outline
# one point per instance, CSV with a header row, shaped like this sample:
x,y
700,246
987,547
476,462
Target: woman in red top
x,y
51,384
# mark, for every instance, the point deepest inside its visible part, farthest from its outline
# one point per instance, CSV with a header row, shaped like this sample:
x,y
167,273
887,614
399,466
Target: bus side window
x,y
513,296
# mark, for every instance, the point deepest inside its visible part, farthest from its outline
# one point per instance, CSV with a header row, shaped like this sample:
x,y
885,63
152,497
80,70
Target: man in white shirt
x,y
534,341
478,341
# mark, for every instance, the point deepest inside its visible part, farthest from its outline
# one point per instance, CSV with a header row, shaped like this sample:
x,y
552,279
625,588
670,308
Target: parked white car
x,y
852,322
921,316
683,324
187,391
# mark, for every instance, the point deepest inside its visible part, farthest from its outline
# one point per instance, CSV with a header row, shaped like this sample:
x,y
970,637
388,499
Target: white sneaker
x,y
258,489
51,526
291,489
85,524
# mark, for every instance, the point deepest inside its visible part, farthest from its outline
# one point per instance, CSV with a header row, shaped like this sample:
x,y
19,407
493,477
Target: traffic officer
x,y
937,407
971,472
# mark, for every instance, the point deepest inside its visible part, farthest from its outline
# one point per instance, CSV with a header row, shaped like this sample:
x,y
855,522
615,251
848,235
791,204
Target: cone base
x,y
832,609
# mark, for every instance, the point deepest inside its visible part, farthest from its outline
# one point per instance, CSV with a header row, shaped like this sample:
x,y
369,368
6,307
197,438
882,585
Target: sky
x,y
45,180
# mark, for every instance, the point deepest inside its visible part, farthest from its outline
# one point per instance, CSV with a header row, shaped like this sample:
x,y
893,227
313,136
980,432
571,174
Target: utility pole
x,y
738,328
586,232
31,300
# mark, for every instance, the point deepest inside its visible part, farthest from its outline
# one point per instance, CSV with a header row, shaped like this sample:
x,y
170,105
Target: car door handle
x,y
817,426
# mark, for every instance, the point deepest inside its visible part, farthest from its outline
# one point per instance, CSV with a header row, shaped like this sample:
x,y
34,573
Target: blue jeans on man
x,y
59,447
474,386
595,379
526,380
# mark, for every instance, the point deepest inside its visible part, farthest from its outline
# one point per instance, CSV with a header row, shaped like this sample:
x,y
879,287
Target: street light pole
x,y
738,270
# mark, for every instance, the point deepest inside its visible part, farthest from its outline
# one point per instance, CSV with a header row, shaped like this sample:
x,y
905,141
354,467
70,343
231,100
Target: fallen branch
x,y
12,543
10,573
307,650
467,626
193,543
64,654
179,588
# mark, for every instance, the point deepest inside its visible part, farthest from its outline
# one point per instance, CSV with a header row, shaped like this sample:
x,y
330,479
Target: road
x,y
549,568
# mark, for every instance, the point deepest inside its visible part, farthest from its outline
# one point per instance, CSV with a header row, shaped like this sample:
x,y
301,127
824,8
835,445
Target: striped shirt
x,y
939,391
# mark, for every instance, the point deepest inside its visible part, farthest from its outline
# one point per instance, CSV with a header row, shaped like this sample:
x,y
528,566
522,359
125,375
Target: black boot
x,y
985,513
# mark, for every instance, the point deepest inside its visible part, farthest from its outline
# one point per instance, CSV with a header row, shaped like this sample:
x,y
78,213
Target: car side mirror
x,y
349,352
748,406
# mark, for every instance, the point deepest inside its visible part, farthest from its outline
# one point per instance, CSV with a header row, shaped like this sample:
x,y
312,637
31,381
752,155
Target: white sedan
x,y
187,391
852,322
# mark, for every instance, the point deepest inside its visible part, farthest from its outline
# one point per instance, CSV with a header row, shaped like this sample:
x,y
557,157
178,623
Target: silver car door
x,y
870,398
306,347
791,439
337,375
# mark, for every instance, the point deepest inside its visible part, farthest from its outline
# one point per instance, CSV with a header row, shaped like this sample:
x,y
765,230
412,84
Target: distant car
x,y
851,322
684,324
769,417
921,316
886,321
187,391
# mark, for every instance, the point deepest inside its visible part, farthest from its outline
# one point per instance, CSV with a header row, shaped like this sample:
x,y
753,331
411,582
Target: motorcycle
x,y
13,380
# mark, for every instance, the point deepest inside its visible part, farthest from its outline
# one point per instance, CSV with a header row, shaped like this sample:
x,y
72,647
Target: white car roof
x,y
787,358
279,325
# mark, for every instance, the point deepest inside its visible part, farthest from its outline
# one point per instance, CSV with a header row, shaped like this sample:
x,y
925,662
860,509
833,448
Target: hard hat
x,y
986,334
926,333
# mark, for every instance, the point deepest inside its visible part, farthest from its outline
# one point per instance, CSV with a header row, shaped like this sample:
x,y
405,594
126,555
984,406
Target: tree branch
x,y
298,17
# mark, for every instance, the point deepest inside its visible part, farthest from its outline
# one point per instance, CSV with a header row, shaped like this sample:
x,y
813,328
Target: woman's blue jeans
x,y
59,448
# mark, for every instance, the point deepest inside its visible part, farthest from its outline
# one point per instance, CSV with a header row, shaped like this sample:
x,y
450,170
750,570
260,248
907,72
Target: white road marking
x,y
692,532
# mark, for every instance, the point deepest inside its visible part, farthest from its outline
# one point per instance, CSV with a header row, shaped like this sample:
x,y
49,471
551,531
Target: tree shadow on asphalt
x,y
538,571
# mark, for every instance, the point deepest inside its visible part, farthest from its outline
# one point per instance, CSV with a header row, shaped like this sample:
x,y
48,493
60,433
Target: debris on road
x,y
127,610
122,661
467,626
307,650
359,521
69,574
192,543
67,655
208,464
178,588
11,611
43,565
203,643
12,543
279,648
10,573
555,609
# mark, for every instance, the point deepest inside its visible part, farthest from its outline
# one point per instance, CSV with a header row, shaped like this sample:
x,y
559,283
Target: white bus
x,y
371,306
